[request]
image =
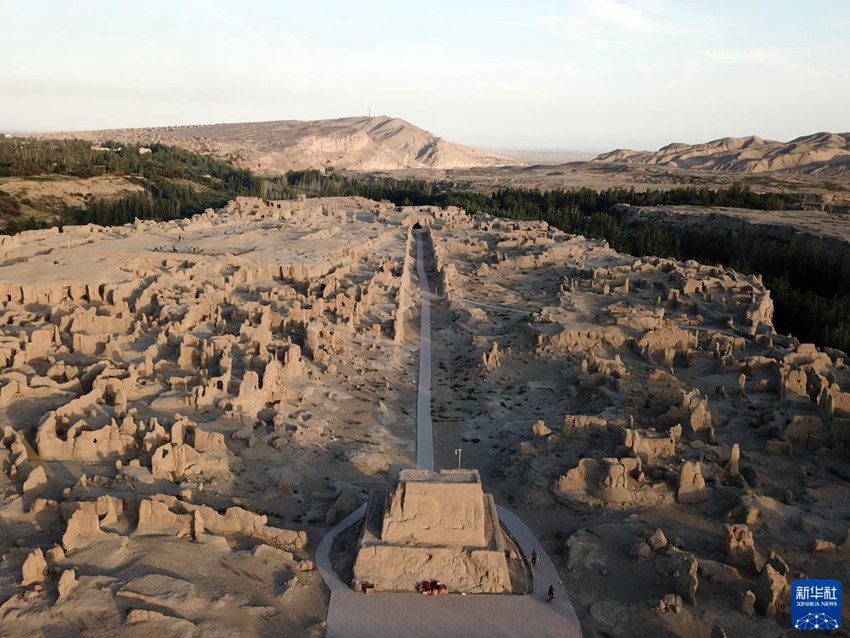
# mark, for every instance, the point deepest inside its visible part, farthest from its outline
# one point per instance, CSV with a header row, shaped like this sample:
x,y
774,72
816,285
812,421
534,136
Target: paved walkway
x,y
394,615
391,615
424,432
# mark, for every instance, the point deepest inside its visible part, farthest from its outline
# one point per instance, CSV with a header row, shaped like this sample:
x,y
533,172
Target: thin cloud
x,y
798,63
736,57
607,21
618,14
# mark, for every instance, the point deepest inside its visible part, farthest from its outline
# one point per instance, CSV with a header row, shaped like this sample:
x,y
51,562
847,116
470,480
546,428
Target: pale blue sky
x,y
569,74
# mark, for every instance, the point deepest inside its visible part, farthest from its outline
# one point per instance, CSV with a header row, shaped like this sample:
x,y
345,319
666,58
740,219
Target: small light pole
x,y
458,452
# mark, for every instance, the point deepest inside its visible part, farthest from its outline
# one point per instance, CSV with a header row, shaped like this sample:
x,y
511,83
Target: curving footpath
x,y
396,615
392,615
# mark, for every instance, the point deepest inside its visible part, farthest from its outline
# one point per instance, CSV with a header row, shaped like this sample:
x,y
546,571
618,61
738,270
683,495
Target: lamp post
x,y
458,453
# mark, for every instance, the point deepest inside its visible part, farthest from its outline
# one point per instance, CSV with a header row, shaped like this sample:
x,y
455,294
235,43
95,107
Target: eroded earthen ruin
x,y
219,390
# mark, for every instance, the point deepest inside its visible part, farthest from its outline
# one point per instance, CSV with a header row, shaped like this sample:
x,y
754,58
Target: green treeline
x,y
24,157
9,206
176,183
524,201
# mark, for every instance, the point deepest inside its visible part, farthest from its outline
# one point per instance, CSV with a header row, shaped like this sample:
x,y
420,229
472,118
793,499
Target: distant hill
x,y
356,143
818,154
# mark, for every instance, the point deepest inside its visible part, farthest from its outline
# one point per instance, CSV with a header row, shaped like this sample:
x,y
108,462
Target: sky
x,y
569,75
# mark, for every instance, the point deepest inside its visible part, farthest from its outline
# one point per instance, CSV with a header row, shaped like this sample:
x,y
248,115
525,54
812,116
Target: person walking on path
x,y
533,557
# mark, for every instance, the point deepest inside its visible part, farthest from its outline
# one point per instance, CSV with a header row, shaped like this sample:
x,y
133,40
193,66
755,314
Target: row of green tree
x,y
176,183
26,157
528,201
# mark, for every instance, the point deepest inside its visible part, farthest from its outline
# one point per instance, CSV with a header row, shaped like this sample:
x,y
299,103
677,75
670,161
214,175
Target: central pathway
x,y
392,615
424,431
